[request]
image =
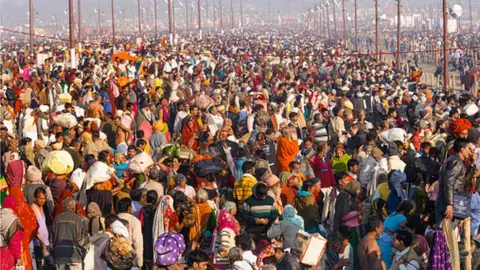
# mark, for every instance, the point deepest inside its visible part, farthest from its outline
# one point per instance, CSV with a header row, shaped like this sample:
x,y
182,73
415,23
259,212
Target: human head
x,y
244,241
152,197
180,180
40,196
402,239
198,260
260,190
406,207
69,204
375,226
248,167
124,206
201,196
235,255
353,166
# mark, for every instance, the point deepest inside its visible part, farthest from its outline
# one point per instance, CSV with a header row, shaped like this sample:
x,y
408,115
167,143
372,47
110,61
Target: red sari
x,y
188,132
29,222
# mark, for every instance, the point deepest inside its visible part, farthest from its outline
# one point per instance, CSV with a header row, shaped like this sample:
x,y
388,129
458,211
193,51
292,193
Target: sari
x,y
206,214
13,251
188,132
163,217
29,222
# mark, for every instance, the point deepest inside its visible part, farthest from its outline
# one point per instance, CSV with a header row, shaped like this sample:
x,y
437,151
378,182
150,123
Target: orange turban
x,y
460,125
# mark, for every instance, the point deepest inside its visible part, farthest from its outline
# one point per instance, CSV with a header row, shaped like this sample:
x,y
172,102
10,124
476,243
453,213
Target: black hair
x,y
152,197
244,241
261,190
241,152
141,142
459,144
292,114
38,191
140,134
131,147
352,163
103,155
404,236
406,207
247,166
136,194
95,134
123,205
372,224
414,222
110,219
89,157
308,184
197,256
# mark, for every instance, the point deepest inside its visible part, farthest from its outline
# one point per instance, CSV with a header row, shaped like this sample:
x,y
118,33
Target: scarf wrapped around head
x,y
229,206
15,173
226,220
290,214
33,175
9,220
93,210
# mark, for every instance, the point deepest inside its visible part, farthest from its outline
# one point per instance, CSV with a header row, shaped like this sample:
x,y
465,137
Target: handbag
x,y
462,204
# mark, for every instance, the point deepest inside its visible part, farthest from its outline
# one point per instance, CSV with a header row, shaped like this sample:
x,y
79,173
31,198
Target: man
x,y
158,138
135,236
242,188
68,238
40,153
198,260
353,167
368,252
367,169
96,145
181,114
100,240
452,177
244,241
285,261
124,135
95,108
405,258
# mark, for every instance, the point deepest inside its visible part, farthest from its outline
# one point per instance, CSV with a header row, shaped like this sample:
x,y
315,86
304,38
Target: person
x,y
405,258
198,260
287,149
68,238
475,207
285,261
245,242
181,185
146,217
451,178
226,230
100,240
243,187
340,159
11,235
307,207
369,254
345,202
135,237
236,260
287,228
259,211
95,221
41,241
394,222
33,177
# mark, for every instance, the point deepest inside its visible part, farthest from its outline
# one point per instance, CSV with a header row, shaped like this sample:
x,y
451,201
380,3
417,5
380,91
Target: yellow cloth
x,y
384,191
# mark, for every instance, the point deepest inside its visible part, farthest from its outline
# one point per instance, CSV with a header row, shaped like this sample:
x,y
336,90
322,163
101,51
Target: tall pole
x,y
356,27
174,20
221,13
98,19
270,12
139,19
214,16
79,15
186,15
445,46
199,17
399,36
113,23
344,23
328,23
241,14
70,22
30,8
156,18
471,15
334,21
206,13
376,29
231,10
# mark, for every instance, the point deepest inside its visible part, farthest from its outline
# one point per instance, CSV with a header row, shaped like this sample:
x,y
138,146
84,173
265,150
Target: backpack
x,y
119,253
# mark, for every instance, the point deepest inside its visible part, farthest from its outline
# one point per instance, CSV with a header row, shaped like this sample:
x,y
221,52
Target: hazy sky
x,y
15,11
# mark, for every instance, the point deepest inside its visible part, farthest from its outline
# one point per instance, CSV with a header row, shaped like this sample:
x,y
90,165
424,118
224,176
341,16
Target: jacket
x,y
254,208
68,238
406,259
307,208
367,167
135,235
287,230
452,177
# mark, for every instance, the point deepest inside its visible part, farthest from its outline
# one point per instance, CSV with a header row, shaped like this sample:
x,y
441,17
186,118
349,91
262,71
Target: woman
x,y
346,202
340,159
163,216
227,229
307,207
121,164
206,212
147,219
287,149
226,130
190,133
29,222
34,181
396,221
95,221
181,185
12,232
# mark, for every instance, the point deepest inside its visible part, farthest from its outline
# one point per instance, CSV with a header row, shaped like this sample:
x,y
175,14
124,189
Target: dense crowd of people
x,y
220,152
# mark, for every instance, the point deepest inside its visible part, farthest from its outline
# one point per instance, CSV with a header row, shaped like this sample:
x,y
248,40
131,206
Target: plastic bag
x,y
58,162
65,120
140,163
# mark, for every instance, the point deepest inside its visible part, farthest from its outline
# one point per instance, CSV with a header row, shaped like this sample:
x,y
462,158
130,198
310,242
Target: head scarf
x,y
290,214
8,217
15,173
93,210
397,179
168,248
229,206
33,175
226,221
119,228
163,215
352,188
460,125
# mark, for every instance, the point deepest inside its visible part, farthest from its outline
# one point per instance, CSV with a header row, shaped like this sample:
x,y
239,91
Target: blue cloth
x,y
475,203
238,165
392,201
385,243
119,168
107,106
393,222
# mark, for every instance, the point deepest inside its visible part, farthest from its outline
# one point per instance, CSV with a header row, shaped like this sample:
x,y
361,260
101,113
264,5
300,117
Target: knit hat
x,y
377,153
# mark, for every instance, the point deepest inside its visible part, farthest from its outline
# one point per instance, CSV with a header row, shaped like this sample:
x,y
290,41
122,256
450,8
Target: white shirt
x,y
413,265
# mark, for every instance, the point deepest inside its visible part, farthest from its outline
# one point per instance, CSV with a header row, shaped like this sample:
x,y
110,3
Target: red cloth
x,y
323,171
15,173
459,126
188,132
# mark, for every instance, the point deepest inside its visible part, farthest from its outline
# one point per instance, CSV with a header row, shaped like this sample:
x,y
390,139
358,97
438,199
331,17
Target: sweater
x,y
323,171
68,238
339,164
287,230
255,208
